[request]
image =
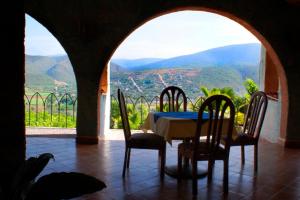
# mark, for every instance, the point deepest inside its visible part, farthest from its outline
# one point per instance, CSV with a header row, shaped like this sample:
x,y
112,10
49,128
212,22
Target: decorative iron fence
x,y
60,110
50,110
138,109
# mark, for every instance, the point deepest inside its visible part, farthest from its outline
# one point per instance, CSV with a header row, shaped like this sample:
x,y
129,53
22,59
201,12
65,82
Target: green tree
x,y
134,115
227,91
115,116
238,101
250,86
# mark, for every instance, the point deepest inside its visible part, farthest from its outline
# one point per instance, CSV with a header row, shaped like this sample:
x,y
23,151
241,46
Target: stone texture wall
x,y
90,31
12,138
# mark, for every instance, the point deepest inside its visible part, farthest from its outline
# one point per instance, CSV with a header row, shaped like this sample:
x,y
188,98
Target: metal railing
x,y
50,110
142,105
60,110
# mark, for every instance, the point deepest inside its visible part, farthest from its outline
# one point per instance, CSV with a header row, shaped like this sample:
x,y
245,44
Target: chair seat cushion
x,y
243,139
146,141
187,149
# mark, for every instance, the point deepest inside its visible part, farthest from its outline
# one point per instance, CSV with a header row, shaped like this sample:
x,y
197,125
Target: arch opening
x,y
281,95
50,86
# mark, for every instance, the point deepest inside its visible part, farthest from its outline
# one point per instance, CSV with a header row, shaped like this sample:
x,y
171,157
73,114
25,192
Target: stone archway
x,y
90,31
49,80
275,62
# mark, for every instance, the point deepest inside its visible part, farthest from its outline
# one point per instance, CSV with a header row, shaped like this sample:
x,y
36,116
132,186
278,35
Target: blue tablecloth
x,y
181,115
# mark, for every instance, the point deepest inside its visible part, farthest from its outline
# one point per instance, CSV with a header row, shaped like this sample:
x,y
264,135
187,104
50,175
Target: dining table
x,y
179,126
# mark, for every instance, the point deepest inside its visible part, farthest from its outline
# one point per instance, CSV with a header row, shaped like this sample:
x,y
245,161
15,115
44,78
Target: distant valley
x,y
218,67
47,73
227,66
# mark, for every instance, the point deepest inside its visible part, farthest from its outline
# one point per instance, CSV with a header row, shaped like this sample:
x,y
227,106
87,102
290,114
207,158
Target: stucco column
x,y
104,102
87,72
87,110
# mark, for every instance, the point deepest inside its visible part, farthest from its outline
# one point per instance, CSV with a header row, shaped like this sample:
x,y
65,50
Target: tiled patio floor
x,y
278,176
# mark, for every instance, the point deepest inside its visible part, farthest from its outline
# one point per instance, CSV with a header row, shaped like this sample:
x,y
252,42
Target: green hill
x,y
151,82
45,73
62,72
220,67
246,55
227,66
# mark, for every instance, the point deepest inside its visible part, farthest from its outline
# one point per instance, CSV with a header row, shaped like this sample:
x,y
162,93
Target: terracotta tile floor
x,y
278,176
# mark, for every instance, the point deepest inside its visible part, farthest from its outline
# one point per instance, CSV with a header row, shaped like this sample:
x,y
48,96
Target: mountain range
x,y
44,73
226,66
217,67
246,55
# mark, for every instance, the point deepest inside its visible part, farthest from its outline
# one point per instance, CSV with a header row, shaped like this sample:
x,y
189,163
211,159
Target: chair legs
x,y
243,154
162,157
179,166
194,177
255,157
225,177
162,162
128,157
125,161
210,169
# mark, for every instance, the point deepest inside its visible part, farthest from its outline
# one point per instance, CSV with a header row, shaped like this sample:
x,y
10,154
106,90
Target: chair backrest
x,y
124,116
219,108
255,114
174,97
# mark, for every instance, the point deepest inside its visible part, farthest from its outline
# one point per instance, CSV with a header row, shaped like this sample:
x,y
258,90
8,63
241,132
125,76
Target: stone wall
x,y
12,138
90,31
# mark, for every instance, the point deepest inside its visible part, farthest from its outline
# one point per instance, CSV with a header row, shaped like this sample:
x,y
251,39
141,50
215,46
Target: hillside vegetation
x,y
49,73
227,66
220,70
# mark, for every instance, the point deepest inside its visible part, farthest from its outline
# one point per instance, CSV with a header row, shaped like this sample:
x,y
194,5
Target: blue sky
x,y
39,41
167,36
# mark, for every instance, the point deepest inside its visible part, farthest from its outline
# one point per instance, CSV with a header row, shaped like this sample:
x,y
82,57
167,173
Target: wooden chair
x,y
253,121
210,149
174,96
139,140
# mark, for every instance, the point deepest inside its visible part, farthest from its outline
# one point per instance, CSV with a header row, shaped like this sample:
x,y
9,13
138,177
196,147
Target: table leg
x,y
186,169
